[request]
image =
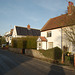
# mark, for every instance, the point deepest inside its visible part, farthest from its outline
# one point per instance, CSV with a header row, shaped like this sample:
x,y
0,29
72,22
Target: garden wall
x,y
16,50
34,53
29,52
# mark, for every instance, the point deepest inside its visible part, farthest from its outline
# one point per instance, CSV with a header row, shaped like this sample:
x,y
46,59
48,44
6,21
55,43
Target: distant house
x,y
21,32
52,32
8,36
25,31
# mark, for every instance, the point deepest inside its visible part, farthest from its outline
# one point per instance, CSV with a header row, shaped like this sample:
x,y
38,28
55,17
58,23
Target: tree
x,y
3,41
69,33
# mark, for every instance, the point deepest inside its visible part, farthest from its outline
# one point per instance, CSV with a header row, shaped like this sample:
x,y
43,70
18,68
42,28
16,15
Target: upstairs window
x,y
49,34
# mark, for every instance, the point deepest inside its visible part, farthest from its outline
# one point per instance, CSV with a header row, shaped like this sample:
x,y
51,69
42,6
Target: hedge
x,y
3,41
29,42
54,53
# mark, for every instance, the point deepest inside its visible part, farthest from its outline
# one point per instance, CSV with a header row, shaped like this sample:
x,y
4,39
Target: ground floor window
x,y
39,45
50,45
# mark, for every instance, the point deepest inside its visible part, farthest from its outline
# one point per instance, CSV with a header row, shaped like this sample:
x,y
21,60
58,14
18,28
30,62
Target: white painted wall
x,y
56,37
14,32
20,36
44,45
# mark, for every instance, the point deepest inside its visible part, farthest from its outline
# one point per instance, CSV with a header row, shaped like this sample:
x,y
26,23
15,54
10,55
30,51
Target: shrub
x,y
69,60
54,53
14,43
3,41
29,42
32,42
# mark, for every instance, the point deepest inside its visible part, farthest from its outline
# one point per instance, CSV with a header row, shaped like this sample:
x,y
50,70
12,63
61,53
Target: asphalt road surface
x,y
18,64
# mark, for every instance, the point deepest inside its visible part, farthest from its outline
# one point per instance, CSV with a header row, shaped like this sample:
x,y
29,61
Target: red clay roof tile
x,y
43,39
60,21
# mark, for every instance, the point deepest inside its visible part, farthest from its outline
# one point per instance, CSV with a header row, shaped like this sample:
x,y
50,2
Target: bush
x,y
69,60
54,53
14,43
3,41
29,42
19,43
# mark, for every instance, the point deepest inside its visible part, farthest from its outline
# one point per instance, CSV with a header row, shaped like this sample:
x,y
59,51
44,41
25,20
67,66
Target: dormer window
x,y
49,34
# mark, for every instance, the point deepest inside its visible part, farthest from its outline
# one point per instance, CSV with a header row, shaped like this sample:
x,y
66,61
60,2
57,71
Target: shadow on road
x,y
9,61
56,70
18,64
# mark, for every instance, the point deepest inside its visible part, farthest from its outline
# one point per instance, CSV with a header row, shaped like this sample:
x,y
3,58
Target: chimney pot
x,y
28,26
70,7
70,3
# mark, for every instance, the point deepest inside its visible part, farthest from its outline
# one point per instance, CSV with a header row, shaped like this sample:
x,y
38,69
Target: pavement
x,y
19,64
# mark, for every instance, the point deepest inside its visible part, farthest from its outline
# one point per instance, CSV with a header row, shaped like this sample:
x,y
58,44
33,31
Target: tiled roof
x,y
43,38
27,32
60,21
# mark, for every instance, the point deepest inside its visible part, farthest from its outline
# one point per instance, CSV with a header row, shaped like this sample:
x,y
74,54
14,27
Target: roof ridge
x,y
26,27
59,21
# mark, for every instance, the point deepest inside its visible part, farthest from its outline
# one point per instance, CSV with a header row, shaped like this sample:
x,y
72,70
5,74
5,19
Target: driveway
x,y
18,64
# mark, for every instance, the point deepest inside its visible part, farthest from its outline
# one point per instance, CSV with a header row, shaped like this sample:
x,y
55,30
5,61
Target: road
x,y
18,64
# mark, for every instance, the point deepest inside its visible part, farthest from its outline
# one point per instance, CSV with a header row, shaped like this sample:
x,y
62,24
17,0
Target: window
x,y
10,38
50,45
39,44
49,34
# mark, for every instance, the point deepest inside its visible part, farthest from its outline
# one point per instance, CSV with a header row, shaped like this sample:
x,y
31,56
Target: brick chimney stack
x,y
28,26
11,31
70,7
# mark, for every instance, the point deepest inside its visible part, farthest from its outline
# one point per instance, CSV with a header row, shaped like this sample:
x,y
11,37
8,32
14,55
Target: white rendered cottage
x,y
53,31
25,31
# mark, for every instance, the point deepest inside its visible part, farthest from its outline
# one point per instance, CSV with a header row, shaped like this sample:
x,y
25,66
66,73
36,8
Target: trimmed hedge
x,y
29,42
54,53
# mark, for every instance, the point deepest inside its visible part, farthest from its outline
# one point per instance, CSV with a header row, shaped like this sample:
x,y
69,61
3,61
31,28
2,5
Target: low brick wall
x,y
29,52
34,53
16,50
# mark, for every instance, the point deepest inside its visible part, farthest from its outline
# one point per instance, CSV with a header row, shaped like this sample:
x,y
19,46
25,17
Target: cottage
x,y
21,32
53,32
25,31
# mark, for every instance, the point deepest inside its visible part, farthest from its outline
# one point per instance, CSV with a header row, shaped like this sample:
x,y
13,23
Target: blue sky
x,y
33,12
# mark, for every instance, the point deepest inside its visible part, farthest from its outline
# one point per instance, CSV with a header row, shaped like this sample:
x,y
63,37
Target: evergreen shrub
x,y
54,53
29,42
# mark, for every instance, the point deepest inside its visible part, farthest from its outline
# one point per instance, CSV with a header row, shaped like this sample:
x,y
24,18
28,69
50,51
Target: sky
x,y
33,12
